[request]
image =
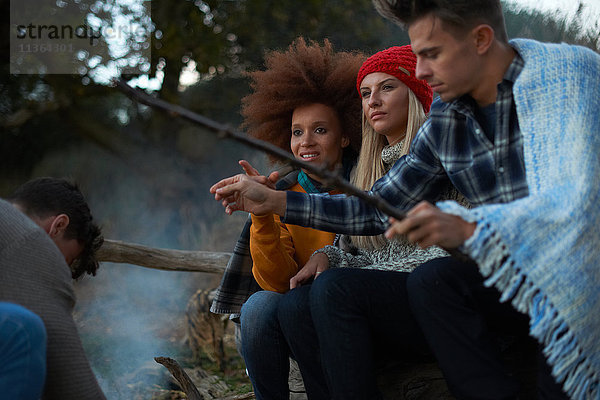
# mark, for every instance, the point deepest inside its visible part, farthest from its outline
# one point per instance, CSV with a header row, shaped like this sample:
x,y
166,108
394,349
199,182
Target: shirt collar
x,y
514,69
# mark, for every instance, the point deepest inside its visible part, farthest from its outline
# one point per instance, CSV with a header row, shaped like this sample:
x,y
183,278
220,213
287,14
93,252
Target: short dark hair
x,y
459,15
44,197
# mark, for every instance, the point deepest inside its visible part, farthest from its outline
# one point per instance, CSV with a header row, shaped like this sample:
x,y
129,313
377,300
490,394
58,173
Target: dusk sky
x,y
591,14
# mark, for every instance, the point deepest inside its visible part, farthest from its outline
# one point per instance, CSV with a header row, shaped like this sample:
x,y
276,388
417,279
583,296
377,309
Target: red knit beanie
x,y
398,61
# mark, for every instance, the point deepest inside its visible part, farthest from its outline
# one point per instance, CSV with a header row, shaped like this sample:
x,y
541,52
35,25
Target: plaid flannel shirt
x,y
451,148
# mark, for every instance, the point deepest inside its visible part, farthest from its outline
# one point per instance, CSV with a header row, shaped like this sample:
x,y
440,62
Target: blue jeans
x,y
23,353
296,322
264,348
266,351
361,317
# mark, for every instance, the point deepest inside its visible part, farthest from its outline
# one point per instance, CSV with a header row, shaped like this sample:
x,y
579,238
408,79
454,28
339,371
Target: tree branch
x,y
188,386
328,178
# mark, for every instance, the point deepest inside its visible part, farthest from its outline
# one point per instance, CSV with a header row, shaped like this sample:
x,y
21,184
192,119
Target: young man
x,y
35,274
59,208
516,134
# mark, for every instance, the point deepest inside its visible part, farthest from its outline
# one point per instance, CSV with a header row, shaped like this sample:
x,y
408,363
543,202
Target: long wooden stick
x,y
328,178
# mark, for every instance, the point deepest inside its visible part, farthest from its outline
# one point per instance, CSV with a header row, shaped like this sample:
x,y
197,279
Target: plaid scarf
x,y
238,283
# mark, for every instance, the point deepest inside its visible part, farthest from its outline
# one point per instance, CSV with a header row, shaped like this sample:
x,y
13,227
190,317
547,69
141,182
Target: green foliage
x,y
261,25
40,115
549,27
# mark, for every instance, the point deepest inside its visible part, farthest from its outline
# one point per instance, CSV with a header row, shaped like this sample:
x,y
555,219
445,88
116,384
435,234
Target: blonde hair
x,y
370,166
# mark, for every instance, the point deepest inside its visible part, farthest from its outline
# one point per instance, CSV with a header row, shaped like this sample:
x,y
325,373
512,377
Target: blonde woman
x,y
395,105
354,320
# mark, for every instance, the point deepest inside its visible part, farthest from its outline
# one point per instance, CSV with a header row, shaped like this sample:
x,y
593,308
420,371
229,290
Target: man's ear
x,y
58,225
483,36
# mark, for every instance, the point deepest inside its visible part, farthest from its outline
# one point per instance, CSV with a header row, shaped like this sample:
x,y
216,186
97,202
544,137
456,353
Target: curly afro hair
x,y
306,73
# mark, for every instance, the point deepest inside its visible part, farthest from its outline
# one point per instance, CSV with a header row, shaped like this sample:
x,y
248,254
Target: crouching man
x,y
47,238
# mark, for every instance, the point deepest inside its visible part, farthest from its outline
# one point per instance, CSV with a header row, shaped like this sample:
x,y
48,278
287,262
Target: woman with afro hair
x,y
305,102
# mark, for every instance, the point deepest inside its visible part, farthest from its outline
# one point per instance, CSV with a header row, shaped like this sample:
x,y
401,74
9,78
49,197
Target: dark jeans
x,y
265,345
296,324
360,317
458,314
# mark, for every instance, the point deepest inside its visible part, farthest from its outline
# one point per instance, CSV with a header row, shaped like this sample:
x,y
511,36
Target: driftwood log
x,y
164,259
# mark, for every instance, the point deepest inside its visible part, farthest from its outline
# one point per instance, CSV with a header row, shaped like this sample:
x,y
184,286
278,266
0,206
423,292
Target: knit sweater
x,y
397,254
278,250
542,251
33,273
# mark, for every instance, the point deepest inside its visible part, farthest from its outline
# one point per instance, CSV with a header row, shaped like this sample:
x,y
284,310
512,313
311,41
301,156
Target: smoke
x,y
127,315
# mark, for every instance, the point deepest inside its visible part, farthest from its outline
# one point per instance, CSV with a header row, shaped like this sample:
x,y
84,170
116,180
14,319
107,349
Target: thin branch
x,y
182,377
188,387
327,177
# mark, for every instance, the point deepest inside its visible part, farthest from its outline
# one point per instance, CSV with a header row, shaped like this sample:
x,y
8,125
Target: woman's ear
x,y
345,142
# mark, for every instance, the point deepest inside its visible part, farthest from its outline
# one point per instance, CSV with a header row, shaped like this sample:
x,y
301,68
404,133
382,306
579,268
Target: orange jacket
x,y
279,250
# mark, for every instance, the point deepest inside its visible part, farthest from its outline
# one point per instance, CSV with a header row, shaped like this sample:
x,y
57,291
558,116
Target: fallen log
x,y
163,259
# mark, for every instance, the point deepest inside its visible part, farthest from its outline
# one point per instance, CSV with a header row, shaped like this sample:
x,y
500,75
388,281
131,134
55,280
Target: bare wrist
x,y
469,230
278,200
